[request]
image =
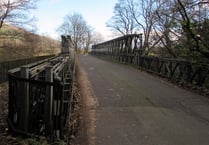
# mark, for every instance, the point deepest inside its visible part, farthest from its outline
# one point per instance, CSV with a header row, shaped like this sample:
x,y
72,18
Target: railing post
x,y
49,101
24,101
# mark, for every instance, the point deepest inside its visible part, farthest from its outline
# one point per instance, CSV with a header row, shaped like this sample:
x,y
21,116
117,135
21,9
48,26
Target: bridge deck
x,y
135,108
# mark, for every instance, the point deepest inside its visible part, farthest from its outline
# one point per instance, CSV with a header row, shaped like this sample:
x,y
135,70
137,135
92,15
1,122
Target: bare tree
x,y
75,26
136,16
180,27
97,37
88,41
122,21
144,13
166,28
191,26
16,11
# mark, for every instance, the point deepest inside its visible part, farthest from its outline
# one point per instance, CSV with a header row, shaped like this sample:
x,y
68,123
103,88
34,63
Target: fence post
x,y
49,101
24,101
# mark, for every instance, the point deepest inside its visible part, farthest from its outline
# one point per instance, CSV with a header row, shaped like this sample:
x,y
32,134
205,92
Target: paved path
x,y
135,108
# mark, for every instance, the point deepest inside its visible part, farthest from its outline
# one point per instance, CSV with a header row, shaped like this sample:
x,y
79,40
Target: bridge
x,y
127,106
133,99
128,98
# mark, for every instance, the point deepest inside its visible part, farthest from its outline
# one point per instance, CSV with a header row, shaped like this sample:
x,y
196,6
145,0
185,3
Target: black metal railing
x,y
40,95
128,49
7,65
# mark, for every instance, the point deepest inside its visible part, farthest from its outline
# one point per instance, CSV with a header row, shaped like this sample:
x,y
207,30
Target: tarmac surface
x,y
136,108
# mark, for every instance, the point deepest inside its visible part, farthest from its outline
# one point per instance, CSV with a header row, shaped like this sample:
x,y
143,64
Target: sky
x,y
50,14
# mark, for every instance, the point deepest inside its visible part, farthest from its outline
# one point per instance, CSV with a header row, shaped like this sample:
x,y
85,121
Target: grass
x,y
10,140
17,43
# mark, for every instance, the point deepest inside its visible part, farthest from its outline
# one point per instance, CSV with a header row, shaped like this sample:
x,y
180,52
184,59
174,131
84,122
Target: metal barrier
x,y
128,49
7,65
40,95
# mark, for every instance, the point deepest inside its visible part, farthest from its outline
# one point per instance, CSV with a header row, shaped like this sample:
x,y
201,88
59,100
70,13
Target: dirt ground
x,y
3,107
89,103
5,138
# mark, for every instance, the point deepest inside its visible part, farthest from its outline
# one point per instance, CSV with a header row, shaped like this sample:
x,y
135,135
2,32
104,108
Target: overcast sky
x,y
50,14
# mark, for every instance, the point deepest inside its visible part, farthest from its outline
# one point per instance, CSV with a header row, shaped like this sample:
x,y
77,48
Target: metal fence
x,y
7,65
128,49
40,95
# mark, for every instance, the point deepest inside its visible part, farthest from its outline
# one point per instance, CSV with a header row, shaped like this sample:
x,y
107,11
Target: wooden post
x,y
24,101
49,101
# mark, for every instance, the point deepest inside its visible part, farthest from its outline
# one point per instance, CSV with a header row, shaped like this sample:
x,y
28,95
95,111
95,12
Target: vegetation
x,y
17,43
17,12
170,28
75,25
81,33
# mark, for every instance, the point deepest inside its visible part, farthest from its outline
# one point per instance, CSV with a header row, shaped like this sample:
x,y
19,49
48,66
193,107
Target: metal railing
x,y
7,65
40,94
128,49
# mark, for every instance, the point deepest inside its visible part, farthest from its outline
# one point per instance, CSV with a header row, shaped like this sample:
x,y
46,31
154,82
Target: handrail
x,y
127,50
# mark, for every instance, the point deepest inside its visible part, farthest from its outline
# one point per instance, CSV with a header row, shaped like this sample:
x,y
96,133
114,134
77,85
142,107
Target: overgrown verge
x,y
75,119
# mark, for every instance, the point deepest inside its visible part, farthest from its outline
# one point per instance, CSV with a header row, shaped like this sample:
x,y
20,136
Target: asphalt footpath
x,y
136,108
